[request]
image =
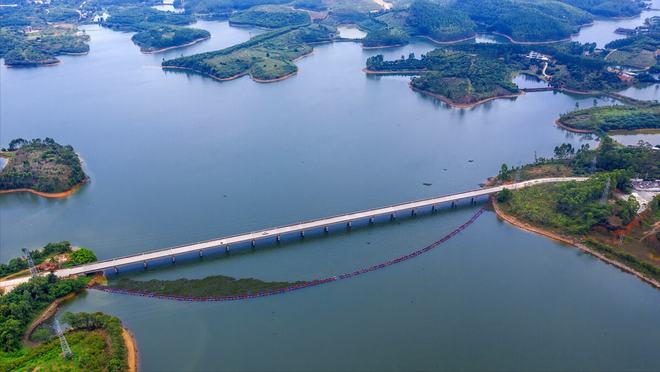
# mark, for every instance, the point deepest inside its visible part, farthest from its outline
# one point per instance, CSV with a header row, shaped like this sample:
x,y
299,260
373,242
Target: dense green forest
x,y
313,5
224,8
439,22
386,37
617,117
25,302
526,20
269,17
609,8
134,18
44,166
265,57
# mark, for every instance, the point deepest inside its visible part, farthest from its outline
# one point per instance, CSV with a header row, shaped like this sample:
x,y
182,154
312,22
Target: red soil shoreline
x,y
570,241
574,130
463,105
50,195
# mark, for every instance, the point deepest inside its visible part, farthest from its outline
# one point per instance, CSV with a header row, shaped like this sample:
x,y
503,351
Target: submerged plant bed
x,y
218,285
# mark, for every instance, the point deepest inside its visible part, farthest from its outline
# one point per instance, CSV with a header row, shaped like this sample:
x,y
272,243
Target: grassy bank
x,y
96,341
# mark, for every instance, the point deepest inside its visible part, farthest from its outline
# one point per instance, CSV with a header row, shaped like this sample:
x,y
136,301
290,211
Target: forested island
x,y
600,215
28,339
267,57
40,166
156,31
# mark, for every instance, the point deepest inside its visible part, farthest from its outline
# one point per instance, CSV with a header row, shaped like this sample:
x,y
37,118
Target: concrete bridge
x,y
276,234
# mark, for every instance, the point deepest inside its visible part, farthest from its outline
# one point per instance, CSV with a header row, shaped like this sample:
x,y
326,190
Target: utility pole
x,y
66,350
33,268
606,192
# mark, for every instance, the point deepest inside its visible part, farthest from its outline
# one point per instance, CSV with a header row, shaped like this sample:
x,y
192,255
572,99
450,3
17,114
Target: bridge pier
x,y
227,248
173,259
433,208
372,220
200,253
278,239
254,243
145,265
349,224
326,229
413,213
392,216
453,204
302,233
116,270
472,201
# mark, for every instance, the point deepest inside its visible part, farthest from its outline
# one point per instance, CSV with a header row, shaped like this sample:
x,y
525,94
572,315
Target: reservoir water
x,y
175,158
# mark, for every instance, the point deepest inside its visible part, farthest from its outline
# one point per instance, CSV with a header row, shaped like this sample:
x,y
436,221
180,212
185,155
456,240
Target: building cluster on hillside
x,y
622,74
538,56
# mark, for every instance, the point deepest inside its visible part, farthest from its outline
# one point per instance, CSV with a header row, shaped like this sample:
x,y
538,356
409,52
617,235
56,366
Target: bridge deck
x,y
283,230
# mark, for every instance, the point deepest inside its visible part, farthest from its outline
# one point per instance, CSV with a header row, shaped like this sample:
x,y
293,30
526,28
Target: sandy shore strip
x,y
175,46
131,350
574,130
570,241
393,72
463,105
382,46
50,195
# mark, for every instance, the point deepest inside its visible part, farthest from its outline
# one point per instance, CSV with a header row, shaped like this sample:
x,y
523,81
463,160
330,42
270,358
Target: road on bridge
x,y
277,232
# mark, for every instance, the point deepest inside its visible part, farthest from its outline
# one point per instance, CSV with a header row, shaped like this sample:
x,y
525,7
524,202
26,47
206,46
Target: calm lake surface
x,y
177,158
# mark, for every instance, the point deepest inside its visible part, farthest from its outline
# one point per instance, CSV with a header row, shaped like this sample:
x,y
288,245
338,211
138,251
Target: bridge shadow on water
x,y
293,240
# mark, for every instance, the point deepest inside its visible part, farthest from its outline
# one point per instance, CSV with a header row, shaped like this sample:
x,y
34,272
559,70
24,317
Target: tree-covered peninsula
x,y
32,35
625,117
42,166
602,215
638,50
266,57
